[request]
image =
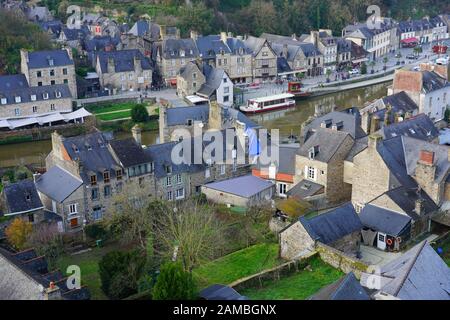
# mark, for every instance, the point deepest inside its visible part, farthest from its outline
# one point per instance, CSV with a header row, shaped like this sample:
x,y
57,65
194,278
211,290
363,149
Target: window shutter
x,y
306,172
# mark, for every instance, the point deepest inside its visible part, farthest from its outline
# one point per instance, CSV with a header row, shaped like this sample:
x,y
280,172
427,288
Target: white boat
x,y
269,103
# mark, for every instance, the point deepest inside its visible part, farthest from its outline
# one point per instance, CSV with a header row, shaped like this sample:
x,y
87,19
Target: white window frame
x,y
282,189
168,181
179,194
73,208
179,179
4,101
169,195
18,99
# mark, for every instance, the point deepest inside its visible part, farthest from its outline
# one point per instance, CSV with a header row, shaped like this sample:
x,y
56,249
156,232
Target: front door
x,y
381,241
74,222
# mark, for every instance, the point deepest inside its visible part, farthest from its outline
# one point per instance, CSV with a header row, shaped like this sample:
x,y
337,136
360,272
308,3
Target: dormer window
x,y
168,169
58,94
119,174
312,153
45,96
28,197
93,180
182,53
4,101
189,122
51,62
106,176
33,97
18,99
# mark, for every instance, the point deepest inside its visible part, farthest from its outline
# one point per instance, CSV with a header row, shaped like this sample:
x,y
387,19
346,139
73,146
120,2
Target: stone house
x,y
339,228
327,45
63,194
302,57
20,101
428,89
45,68
21,199
440,29
320,161
264,59
228,53
73,38
244,191
377,41
190,79
389,109
282,173
199,118
218,86
173,54
344,52
124,70
401,161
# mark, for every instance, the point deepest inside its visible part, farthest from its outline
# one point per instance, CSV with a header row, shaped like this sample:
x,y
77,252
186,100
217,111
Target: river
x,y
286,120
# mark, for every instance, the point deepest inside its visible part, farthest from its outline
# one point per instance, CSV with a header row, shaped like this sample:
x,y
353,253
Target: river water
x,y
287,121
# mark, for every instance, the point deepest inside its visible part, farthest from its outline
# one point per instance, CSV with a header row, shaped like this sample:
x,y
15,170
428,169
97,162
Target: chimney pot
x,y
426,157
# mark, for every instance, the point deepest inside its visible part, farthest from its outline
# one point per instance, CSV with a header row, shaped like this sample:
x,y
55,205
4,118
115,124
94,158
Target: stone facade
x,y
264,63
35,108
188,83
50,75
295,241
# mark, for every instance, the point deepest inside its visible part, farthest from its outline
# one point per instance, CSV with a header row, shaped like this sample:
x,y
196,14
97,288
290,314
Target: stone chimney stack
x,y
426,157
110,65
194,35
419,209
374,140
374,124
136,131
223,36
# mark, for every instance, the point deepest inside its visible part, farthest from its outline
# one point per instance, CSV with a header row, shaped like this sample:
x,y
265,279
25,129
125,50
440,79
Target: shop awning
x,y
54,117
410,40
80,113
4,124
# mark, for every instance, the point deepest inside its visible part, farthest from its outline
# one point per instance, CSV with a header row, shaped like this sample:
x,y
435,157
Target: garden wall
x,y
274,274
340,260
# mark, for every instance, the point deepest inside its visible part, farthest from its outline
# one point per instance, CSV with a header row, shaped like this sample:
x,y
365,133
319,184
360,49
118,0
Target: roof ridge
x,y
412,263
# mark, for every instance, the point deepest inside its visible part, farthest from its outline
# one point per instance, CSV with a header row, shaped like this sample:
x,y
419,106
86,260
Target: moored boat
x,y
295,88
269,103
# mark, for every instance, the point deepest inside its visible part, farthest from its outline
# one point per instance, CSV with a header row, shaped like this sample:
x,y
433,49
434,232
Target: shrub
x,y
18,232
174,283
120,272
363,68
139,113
96,231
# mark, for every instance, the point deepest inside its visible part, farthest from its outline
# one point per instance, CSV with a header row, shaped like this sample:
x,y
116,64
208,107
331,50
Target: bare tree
x,y
188,231
130,218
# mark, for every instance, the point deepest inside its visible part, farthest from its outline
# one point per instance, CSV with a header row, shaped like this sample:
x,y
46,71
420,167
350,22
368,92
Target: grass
x,y
237,265
299,286
88,263
114,115
111,107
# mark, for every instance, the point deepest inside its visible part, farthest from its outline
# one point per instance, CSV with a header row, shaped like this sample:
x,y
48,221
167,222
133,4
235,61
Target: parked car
x,y
398,55
412,57
442,60
353,72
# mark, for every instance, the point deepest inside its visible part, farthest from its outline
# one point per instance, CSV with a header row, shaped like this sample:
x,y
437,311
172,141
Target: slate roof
x,y
58,184
431,81
326,142
171,48
99,43
12,82
237,46
22,197
24,273
92,150
384,220
419,127
286,161
40,59
358,146
245,186
418,274
55,26
304,189
214,77
144,27
190,67
220,292
350,123
76,34
129,152
161,155
343,45
406,199
123,60
26,93
283,65
254,44
346,288
211,45
332,225
180,115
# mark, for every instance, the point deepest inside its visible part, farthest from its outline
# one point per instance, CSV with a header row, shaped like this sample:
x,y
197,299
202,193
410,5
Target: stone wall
x,y
340,260
294,241
43,107
273,274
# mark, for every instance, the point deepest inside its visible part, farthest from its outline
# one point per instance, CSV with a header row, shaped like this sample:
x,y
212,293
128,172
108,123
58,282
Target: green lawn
x,y
88,263
298,286
114,115
96,109
238,264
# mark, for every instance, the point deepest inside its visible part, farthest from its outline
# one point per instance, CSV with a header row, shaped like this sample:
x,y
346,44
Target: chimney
x,y
69,52
419,206
374,124
194,35
426,157
387,116
137,63
285,51
163,32
110,65
315,38
337,126
223,36
374,140
137,134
